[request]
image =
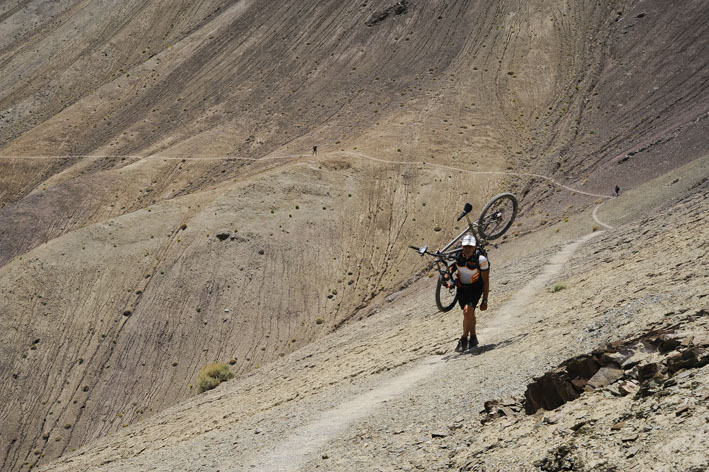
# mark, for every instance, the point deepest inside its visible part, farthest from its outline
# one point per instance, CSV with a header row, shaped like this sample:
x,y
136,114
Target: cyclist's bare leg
x,y
468,320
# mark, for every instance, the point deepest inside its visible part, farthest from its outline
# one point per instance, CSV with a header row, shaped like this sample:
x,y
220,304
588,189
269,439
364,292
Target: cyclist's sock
x,y
462,344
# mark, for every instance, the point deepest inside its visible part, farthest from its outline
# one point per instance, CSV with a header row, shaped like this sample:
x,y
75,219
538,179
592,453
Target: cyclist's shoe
x,y
473,341
462,344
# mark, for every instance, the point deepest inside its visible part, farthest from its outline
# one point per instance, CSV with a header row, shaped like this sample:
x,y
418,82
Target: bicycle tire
x,y
442,295
506,204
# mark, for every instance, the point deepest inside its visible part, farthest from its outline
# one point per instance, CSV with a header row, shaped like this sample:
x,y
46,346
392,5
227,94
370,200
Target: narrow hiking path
x,y
360,155
298,447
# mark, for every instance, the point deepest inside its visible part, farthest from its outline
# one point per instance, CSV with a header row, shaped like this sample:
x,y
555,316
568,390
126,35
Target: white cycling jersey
x,y
470,276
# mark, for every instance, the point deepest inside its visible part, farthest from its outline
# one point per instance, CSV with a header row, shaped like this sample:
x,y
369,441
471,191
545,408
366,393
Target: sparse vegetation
x,y
212,375
557,287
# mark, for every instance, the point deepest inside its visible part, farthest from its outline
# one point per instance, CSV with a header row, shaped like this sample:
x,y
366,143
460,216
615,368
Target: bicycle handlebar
x,y
437,253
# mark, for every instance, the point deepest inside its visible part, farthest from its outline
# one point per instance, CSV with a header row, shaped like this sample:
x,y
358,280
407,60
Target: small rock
x,y
222,236
628,387
686,342
618,426
226,310
684,375
439,434
704,310
668,342
633,451
605,376
638,354
392,297
647,371
579,425
682,411
553,418
506,411
616,357
579,383
630,437
510,401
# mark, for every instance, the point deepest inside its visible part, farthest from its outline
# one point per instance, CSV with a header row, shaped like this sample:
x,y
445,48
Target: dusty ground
x,y
132,136
372,394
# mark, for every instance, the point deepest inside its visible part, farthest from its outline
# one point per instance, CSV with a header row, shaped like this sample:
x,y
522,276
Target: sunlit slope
x,y
123,250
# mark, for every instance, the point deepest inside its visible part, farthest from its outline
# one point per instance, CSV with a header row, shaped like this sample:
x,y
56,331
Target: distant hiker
x,y
617,190
472,277
315,150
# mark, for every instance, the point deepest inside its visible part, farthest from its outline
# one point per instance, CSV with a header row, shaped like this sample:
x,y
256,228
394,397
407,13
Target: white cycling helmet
x,y
469,240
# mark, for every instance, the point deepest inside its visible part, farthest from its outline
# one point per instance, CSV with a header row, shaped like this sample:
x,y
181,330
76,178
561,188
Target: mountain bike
x,y
495,219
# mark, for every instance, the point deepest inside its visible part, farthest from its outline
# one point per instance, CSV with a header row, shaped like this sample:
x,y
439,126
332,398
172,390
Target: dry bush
x,y
212,375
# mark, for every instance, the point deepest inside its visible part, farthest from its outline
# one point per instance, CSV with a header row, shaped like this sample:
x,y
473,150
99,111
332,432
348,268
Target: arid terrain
x,y
162,208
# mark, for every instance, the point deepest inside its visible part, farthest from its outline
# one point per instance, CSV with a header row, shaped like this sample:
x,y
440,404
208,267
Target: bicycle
x,y
495,219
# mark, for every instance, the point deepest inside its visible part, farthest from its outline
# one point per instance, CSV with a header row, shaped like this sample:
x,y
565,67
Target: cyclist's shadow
x,y
483,348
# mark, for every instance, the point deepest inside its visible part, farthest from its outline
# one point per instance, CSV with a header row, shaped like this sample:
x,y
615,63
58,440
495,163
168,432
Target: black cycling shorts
x,y
470,294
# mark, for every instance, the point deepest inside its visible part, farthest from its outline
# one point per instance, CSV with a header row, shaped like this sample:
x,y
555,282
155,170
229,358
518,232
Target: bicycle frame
x,y
471,228
480,229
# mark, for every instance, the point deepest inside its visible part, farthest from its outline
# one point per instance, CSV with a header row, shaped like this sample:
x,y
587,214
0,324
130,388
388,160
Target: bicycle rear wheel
x,y
445,297
497,216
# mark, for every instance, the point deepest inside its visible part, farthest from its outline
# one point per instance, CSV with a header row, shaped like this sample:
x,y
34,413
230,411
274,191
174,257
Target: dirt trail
x,y
292,452
512,309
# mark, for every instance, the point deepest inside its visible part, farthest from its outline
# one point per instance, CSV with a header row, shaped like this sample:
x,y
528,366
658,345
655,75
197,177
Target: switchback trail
x,y
359,155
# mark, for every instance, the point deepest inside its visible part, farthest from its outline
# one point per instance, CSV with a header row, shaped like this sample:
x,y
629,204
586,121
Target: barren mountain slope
x,y
156,171
388,393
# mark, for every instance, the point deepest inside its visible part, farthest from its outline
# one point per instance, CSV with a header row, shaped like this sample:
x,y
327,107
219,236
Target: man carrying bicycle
x,y
473,281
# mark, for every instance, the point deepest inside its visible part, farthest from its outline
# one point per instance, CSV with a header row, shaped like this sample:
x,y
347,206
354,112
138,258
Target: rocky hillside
x,y
161,207
617,356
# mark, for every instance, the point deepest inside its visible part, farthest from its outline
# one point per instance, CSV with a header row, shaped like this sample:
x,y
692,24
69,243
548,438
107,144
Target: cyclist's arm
x,y
485,274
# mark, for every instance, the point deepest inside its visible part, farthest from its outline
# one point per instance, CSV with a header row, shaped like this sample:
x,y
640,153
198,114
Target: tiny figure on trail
x,y
617,190
315,150
471,273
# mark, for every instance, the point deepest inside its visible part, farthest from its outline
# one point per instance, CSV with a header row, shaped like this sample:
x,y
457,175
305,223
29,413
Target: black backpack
x,y
479,251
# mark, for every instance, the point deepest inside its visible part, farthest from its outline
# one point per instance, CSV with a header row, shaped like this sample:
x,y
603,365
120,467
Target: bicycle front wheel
x,y
445,297
497,216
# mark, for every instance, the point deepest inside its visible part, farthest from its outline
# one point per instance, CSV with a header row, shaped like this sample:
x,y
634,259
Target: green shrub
x,y
557,287
212,375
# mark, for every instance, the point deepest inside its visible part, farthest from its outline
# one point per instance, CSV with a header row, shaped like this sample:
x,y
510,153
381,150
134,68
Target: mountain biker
x,y
473,281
